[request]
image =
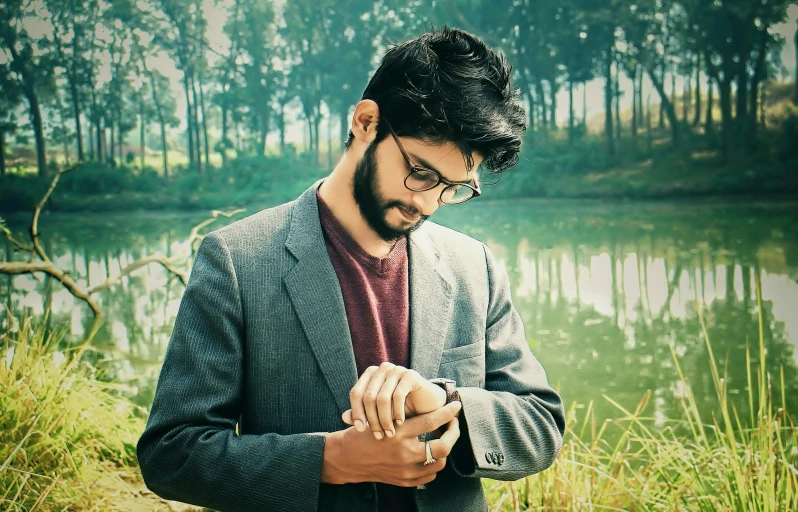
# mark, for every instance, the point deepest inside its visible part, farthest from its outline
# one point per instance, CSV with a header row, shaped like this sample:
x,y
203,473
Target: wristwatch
x,y
450,387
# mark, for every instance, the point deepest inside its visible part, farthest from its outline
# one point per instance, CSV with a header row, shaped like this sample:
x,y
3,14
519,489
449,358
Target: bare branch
x,y
34,225
14,241
167,263
47,267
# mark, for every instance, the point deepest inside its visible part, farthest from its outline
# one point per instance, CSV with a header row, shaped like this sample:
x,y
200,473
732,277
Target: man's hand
x,y
388,392
351,456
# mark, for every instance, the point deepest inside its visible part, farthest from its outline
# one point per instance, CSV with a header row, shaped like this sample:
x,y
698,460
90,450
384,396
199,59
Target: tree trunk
x,y
189,121
617,86
756,80
544,121
726,121
224,133
344,126
634,102
649,136
38,130
76,111
329,140
141,133
91,140
204,125
741,106
584,107
2,152
686,96
112,153
666,104
795,96
697,118
197,139
675,99
662,103
553,114
709,124
121,136
100,139
608,93
570,110
640,95
281,122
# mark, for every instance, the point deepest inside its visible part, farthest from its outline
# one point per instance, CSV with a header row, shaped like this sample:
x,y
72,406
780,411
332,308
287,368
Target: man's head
x,y
444,102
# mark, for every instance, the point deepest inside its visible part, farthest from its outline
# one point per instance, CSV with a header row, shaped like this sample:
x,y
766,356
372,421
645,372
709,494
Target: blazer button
x,y
369,496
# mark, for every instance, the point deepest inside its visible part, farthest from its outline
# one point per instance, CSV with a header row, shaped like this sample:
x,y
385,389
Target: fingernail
x,y
359,426
389,434
378,435
399,422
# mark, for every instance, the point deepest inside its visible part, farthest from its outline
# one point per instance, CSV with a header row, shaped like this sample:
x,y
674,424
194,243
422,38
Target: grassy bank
x,y
732,463
67,439
67,443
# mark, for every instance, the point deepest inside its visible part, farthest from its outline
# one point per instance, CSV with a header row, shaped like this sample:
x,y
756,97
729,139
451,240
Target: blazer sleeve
x,y
190,451
514,426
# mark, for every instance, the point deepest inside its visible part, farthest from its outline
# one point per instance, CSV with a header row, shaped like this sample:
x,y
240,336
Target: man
x,y
344,307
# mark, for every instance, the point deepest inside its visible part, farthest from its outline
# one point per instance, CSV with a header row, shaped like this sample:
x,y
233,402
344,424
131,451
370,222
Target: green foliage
x,y
94,179
787,142
20,193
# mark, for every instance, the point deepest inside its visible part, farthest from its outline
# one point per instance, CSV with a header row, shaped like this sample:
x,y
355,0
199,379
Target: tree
x,y
10,97
30,69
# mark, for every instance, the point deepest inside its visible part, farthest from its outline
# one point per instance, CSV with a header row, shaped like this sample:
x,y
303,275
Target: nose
x,y
428,201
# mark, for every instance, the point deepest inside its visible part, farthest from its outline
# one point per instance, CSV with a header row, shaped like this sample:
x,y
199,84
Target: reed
x,y
67,439
729,464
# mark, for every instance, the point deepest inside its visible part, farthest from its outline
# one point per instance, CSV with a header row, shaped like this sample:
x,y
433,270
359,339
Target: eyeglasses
x,y
421,179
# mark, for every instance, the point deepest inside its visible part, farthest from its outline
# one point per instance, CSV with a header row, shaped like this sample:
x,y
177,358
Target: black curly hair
x,y
448,86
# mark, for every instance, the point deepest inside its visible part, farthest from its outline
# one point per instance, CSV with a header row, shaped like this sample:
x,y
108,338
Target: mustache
x,y
412,210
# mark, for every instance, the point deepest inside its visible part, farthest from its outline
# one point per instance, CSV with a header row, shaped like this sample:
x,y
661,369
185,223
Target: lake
x,y
605,290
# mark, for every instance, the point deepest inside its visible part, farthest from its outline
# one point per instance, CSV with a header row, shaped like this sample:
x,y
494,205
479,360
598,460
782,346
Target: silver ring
x,y
430,459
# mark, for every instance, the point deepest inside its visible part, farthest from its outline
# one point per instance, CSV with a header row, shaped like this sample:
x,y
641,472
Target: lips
x,y
407,215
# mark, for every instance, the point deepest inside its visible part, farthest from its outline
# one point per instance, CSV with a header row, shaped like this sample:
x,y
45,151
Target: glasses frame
x,y
416,168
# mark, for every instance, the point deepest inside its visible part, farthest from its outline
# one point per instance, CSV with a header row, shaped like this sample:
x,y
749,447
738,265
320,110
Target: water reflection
x,y
604,293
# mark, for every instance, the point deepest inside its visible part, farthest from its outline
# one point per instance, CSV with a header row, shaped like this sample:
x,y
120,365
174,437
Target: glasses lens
x,y
454,194
421,179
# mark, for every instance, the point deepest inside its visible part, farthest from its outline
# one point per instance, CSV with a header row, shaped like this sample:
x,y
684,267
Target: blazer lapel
x,y
316,296
430,304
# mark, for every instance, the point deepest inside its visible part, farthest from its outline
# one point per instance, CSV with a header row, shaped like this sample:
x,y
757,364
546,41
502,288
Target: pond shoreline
x,y
160,208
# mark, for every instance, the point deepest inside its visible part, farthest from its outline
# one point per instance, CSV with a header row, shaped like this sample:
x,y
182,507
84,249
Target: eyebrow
x,y
427,165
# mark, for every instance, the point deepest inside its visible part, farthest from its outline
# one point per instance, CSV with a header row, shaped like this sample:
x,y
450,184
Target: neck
x,y
337,192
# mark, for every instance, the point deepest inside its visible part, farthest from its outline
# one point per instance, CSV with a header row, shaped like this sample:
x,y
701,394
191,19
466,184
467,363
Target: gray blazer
x,y
262,341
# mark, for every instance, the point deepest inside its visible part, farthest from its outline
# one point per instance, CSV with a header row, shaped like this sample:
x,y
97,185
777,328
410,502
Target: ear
x,y
365,121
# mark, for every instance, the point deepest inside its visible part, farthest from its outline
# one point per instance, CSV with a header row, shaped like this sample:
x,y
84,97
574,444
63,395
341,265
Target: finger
x,y
356,398
441,448
370,402
408,383
384,400
429,422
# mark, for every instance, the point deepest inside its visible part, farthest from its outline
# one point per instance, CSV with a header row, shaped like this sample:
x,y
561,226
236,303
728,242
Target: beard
x,y
373,206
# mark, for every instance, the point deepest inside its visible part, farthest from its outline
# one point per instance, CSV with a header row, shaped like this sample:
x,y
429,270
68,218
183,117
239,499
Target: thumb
x,y
347,417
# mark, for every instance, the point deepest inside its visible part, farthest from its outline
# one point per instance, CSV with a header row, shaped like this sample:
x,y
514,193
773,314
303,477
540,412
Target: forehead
x,y
446,158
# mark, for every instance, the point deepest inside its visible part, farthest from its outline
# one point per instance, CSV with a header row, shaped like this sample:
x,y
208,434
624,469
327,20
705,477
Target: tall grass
x,y
67,439
731,464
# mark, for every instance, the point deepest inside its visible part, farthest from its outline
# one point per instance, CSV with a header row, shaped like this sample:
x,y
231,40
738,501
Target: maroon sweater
x,y
377,301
